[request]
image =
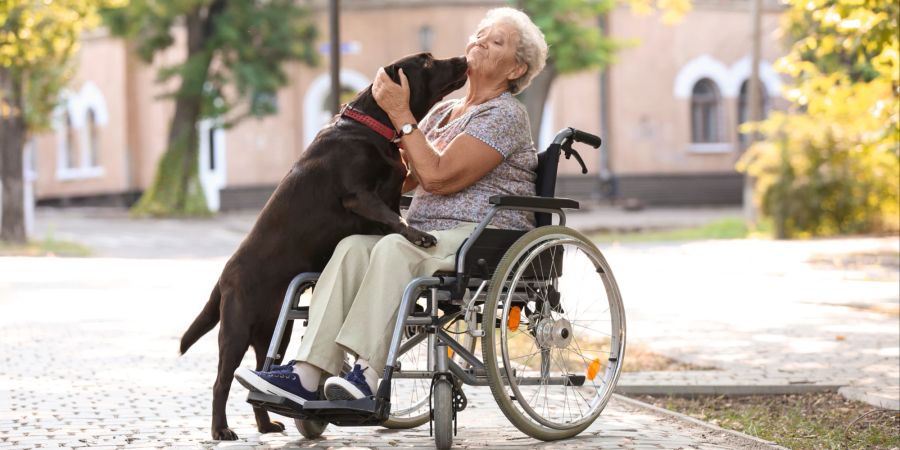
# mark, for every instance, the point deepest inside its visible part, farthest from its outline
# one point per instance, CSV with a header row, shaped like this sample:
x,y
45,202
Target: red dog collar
x,y
369,121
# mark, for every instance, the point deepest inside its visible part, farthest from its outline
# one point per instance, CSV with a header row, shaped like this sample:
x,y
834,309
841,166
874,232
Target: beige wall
x,y
261,151
649,127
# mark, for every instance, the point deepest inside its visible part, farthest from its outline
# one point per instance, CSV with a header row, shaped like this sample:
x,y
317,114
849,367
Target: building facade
x,y
674,102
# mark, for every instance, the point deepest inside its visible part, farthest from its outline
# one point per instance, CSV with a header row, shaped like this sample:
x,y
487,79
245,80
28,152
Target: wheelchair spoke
x,y
557,294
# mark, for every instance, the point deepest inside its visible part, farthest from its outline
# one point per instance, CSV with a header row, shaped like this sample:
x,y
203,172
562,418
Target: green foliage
x,y
728,228
235,56
37,41
239,50
570,28
831,164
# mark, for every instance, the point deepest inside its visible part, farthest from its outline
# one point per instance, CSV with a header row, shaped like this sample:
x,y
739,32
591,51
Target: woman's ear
x,y
518,71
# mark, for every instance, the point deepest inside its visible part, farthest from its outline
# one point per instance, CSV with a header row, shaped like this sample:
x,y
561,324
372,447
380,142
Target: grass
x,y
49,246
728,228
823,420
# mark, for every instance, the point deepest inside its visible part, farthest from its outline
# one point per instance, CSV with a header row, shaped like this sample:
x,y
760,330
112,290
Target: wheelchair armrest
x,y
405,201
519,201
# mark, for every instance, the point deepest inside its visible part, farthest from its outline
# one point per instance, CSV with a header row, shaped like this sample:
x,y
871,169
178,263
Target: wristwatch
x,y
406,129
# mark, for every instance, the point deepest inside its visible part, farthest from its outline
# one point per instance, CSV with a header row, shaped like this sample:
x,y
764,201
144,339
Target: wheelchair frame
x,y
375,410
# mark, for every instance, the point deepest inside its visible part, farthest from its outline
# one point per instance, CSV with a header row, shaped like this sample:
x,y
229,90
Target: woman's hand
x,y
393,98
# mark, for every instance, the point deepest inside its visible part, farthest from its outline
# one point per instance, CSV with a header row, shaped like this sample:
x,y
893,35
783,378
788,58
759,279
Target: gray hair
x,y
532,48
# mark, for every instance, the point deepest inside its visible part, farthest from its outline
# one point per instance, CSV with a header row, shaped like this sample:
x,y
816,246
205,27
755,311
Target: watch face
x,y
407,129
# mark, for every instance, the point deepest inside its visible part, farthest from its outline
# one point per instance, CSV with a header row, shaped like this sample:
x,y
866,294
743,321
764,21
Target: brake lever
x,y
571,152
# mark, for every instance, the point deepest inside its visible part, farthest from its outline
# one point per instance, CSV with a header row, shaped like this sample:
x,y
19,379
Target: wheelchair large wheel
x,y
554,359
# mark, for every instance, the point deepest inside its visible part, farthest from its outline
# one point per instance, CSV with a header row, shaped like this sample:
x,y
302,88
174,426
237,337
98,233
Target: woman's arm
x,y
464,161
410,182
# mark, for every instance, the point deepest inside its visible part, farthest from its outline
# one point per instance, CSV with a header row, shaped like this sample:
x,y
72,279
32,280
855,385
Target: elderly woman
x,y
464,151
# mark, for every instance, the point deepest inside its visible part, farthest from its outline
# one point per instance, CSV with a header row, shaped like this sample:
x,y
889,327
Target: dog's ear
x,y
393,72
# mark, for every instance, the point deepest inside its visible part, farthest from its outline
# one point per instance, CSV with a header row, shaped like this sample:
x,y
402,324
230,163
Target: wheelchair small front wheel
x,y
555,356
310,429
442,402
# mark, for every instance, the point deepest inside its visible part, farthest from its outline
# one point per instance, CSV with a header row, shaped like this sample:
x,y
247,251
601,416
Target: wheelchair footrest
x,y
276,404
362,412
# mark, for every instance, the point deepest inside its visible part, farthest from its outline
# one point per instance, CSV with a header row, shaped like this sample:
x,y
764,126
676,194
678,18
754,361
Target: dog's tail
x,y
207,319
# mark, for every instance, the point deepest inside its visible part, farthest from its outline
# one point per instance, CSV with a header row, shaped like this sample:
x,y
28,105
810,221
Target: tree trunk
x,y
12,142
176,188
535,96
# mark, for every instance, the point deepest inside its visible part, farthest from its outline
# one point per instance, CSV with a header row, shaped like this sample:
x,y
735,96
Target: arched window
x,y
744,107
705,112
93,138
71,150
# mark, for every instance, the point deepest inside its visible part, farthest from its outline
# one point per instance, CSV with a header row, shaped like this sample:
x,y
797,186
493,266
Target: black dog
x,y
347,182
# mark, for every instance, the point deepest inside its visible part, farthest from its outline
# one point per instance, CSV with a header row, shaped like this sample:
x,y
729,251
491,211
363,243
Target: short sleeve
x,y
503,126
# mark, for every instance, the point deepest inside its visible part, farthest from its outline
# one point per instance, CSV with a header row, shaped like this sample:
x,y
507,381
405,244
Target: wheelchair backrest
x,y
545,185
484,256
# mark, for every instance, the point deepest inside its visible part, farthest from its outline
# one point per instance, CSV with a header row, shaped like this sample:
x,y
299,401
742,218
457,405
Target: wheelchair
x,y
541,307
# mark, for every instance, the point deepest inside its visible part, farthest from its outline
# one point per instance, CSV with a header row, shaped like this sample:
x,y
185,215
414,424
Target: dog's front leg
x,y
372,207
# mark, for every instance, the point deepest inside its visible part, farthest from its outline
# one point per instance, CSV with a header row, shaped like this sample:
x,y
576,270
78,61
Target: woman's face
x,y
491,51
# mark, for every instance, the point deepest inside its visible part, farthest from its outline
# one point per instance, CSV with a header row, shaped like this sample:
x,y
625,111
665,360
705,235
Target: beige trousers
x,y
355,302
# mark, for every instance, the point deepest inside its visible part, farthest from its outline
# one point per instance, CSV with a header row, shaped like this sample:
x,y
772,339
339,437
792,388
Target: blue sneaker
x,y
283,367
283,384
352,386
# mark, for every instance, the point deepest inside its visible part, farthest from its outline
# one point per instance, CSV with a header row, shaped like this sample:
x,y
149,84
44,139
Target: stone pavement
x,y
110,232
89,360
772,316
87,346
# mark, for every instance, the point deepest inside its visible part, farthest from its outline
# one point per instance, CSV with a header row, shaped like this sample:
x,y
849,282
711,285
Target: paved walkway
x,y
88,345
773,316
89,360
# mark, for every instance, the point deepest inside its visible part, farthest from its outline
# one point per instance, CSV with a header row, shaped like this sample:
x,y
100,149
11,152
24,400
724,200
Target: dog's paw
x,y
420,238
224,434
272,427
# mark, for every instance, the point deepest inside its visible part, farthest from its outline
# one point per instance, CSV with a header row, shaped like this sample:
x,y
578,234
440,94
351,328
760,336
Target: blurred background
x,y
746,190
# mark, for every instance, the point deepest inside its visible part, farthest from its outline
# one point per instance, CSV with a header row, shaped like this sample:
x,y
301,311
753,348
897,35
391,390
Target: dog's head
x,y
429,79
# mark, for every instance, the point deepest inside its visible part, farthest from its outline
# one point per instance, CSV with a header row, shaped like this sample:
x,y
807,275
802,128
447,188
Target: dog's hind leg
x,y
234,339
260,346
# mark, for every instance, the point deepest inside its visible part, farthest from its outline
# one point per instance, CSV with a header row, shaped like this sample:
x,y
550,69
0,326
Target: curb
x,y
859,393
682,390
707,425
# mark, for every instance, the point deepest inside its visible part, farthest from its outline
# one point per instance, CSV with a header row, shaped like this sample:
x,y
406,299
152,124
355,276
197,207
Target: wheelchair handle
x,y
569,134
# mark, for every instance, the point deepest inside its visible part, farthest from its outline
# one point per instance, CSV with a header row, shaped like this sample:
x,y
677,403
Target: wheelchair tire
x,y
443,414
537,300
310,429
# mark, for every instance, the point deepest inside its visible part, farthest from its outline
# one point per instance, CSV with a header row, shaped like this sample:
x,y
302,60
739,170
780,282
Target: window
x,y
93,136
705,112
744,107
71,142
78,122
212,148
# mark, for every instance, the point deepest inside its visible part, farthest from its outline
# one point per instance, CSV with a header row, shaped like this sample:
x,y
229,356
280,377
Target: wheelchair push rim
x,y
561,333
